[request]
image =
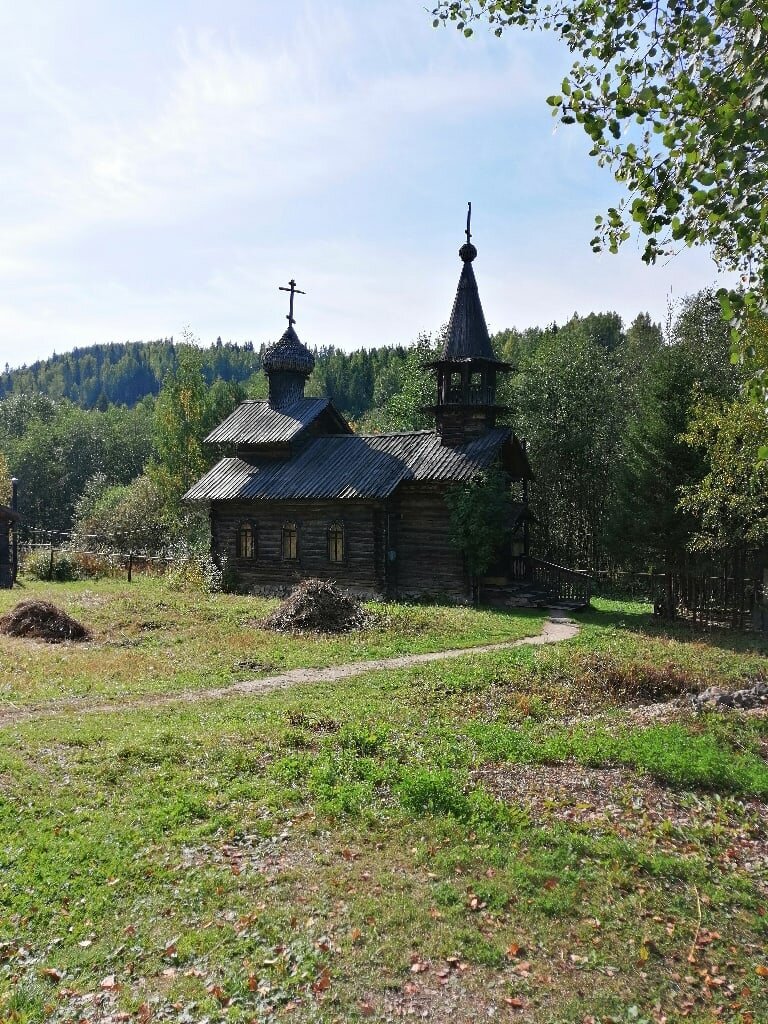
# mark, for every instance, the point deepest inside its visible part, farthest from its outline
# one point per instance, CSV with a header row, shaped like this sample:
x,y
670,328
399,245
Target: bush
x,y
128,517
69,565
59,567
191,571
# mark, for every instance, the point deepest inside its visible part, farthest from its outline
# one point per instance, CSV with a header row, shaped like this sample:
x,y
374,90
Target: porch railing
x,y
560,582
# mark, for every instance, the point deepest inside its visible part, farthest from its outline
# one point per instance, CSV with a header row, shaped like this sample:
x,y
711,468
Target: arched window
x,y
290,541
246,540
336,542
456,387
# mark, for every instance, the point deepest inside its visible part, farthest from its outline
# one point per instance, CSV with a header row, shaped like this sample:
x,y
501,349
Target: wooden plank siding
x,y
362,571
427,564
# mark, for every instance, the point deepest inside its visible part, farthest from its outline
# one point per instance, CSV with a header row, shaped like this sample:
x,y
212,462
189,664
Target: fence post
x,y
50,563
130,566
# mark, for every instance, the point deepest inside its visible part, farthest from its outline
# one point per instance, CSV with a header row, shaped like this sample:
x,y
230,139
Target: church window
x,y
246,540
476,387
290,541
336,542
455,391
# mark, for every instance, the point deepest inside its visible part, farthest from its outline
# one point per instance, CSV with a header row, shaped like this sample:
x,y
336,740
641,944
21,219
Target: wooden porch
x,y
534,582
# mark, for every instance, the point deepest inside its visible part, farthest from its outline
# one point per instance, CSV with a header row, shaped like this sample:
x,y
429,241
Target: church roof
x,y
289,354
354,466
255,421
467,335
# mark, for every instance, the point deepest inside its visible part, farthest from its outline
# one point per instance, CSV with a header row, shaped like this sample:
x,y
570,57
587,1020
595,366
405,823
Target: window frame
x,y
335,532
289,527
246,524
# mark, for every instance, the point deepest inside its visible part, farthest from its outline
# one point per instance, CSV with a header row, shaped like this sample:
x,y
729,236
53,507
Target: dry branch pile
x,y
319,607
41,620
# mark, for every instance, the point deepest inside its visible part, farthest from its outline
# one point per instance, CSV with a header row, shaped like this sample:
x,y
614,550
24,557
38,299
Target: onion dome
x,y
289,355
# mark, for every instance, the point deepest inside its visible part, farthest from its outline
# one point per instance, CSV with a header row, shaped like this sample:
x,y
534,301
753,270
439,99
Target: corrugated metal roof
x,y
257,422
349,466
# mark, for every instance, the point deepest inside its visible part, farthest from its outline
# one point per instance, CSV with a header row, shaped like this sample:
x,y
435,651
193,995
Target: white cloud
x,y
169,168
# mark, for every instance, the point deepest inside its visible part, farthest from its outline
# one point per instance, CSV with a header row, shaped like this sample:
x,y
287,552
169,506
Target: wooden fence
x,y
98,550
701,598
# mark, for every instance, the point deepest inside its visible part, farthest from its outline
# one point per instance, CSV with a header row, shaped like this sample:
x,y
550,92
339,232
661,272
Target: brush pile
x,y
317,606
41,620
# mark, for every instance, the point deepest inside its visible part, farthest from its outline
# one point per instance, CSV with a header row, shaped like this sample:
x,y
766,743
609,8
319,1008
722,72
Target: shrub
x,y
56,566
191,571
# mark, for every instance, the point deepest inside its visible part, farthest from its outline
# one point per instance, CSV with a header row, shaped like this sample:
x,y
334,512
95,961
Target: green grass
x,y
327,853
147,638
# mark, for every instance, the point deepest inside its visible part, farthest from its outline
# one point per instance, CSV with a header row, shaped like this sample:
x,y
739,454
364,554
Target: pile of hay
x,y
41,620
319,607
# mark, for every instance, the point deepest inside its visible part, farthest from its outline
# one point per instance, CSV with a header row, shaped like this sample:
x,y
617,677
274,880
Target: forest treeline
x,y
645,449
125,373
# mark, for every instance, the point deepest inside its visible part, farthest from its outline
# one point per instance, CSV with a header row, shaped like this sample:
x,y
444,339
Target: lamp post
x,y
15,507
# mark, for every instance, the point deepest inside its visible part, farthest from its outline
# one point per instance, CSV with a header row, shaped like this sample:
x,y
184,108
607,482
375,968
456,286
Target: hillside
x,y
122,373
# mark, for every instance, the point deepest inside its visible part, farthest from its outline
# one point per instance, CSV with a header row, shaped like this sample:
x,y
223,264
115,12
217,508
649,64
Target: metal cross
x,y
469,218
293,290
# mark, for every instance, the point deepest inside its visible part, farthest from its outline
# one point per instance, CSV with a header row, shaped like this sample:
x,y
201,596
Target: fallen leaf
x,y
109,982
514,949
218,993
762,971
515,1002
323,981
53,973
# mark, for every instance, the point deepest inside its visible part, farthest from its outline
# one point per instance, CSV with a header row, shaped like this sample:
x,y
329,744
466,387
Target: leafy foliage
x,y
6,488
131,517
54,448
567,402
673,98
731,500
480,518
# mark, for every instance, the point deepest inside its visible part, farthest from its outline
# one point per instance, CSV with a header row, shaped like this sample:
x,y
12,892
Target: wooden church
x,y
297,493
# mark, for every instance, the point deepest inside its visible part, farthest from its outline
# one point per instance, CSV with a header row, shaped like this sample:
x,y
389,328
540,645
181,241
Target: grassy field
x,y
510,836
148,638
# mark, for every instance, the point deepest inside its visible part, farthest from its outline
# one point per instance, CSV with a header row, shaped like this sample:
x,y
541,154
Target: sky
x,y
167,166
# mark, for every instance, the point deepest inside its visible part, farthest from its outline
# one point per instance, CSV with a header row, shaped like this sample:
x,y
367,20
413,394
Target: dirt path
x,y
556,627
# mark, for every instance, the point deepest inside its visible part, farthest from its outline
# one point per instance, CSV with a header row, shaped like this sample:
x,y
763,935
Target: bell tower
x,y
467,369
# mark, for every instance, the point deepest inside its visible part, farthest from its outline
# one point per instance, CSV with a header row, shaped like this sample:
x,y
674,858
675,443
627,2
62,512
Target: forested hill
x,y
123,373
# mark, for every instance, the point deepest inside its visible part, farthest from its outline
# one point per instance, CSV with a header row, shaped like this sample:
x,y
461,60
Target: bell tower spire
x,y
467,367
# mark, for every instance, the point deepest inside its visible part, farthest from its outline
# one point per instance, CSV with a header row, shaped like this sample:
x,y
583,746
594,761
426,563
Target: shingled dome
x,y
289,355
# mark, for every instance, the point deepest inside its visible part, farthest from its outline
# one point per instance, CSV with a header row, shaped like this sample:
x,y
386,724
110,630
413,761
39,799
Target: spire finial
x,y
468,251
293,290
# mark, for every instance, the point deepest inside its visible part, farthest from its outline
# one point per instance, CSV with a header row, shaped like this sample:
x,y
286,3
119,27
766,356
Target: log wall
x,y
363,568
427,564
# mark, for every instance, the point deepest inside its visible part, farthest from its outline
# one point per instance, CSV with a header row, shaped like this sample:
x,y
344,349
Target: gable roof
x,y
352,466
255,421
